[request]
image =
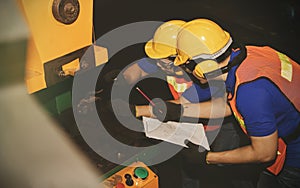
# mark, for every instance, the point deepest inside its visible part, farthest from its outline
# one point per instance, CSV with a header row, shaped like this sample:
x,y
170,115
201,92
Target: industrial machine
x,y
54,46
61,33
135,175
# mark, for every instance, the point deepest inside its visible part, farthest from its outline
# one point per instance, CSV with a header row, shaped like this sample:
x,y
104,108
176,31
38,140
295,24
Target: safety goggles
x,y
171,58
166,65
188,67
203,68
169,67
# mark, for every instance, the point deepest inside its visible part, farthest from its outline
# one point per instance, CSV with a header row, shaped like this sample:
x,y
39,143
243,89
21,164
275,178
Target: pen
x,y
146,97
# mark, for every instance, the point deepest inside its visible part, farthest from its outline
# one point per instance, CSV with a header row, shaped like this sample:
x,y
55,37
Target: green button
x,y
141,172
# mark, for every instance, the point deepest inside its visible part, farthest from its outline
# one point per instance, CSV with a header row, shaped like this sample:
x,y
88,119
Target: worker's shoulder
x,y
258,87
259,83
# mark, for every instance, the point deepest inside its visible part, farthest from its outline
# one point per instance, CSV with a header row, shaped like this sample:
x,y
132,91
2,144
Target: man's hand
x,y
167,111
194,154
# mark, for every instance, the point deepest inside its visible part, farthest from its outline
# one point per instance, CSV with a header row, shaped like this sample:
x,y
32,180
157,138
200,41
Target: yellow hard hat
x,y
201,38
164,40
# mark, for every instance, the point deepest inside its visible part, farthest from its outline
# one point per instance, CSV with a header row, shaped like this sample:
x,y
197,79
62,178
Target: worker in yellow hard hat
x,y
162,50
211,45
262,86
185,88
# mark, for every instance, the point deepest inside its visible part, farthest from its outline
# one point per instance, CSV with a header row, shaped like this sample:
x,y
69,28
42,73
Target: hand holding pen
x,y
163,110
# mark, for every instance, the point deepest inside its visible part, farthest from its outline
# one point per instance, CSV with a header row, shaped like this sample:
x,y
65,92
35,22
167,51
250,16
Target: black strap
x,y
293,136
235,61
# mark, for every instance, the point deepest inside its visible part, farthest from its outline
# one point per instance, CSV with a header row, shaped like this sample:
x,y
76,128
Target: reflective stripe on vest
x,y
178,85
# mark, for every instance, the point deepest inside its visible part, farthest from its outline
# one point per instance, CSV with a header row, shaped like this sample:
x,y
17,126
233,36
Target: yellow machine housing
x,y
61,31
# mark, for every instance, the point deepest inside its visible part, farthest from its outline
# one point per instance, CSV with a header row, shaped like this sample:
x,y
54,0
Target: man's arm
x,y
262,149
146,110
214,108
133,74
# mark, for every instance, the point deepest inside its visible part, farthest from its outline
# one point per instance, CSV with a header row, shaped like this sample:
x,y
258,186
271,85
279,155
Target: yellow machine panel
x,y
53,38
61,31
135,175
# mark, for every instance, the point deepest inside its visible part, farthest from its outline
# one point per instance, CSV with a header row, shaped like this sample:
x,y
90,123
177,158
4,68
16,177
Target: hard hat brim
x,y
152,53
179,60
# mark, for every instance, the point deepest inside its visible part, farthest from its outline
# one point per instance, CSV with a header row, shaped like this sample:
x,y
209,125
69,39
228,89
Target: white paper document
x,y
176,132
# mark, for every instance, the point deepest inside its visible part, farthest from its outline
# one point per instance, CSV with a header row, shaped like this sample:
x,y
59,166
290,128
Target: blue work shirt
x,y
265,109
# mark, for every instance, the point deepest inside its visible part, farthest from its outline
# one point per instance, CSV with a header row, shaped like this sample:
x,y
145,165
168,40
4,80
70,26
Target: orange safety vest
x,y
281,71
178,86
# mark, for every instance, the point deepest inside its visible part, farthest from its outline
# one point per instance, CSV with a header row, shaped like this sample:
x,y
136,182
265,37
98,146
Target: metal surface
x,y
53,69
66,11
50,40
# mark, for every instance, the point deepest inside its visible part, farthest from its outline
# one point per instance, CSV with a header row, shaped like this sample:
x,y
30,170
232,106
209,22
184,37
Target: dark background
x,y
273,23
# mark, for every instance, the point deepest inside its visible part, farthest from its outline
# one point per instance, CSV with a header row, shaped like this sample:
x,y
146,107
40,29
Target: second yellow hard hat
x,y
201,38
164,42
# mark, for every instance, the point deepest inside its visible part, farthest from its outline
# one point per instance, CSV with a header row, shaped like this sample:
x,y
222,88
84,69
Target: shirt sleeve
x,y
256,106
197,94
148,65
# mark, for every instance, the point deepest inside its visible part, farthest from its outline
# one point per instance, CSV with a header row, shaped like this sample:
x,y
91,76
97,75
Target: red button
x,y
120,185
